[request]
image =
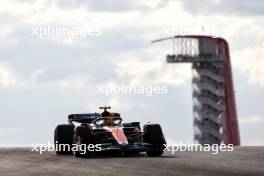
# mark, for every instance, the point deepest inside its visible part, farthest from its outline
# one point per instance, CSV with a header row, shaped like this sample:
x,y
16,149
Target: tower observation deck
x,y
214,108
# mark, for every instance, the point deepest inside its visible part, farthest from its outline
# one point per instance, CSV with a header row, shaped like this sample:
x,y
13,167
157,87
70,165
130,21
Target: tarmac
x,y
242,161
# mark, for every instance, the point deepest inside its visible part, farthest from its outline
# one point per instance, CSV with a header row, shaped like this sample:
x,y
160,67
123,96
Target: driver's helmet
x,y
105,114
107,122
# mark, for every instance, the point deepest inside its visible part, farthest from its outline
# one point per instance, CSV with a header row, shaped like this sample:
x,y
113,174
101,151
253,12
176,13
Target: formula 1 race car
x,y
105,132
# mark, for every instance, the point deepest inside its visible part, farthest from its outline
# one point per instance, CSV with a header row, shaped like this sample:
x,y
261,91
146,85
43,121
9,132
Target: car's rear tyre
x,y
63,136
153,135
82,138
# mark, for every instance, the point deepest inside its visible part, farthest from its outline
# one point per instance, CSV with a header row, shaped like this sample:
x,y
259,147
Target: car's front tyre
x,y
82,138
153,135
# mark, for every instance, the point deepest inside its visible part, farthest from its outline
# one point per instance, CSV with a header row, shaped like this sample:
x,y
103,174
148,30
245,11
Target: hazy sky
x,y
43,79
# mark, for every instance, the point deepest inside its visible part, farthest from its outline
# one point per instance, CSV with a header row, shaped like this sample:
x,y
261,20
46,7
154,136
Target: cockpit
x,y
108,121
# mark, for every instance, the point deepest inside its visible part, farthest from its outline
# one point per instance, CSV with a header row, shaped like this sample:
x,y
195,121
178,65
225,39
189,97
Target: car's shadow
x,y
112,156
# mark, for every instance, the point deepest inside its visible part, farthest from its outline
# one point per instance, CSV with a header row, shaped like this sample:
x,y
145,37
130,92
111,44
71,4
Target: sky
x,y
46,76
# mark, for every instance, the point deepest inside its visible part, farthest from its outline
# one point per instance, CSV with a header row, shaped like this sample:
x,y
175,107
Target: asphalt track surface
x,y
242,161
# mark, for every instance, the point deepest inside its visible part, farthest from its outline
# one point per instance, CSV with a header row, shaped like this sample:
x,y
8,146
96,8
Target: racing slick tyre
x,y
63,136
82,137
153,135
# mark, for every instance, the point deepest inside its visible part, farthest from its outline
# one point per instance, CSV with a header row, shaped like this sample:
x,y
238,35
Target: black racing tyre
x,y
82,137
63,136
153,135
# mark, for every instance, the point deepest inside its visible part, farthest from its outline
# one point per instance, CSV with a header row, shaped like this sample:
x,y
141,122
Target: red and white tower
x,y
214,108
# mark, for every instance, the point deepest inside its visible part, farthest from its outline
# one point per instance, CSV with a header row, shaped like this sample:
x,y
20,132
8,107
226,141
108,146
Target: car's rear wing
x,y
88,117
83,118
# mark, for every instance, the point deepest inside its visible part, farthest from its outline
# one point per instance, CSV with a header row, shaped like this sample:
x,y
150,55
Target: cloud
x,y
108,6
10,131
114,5
12,78
122,104
7,75
250,61
250,128
146,67
6,38
252,119
235,7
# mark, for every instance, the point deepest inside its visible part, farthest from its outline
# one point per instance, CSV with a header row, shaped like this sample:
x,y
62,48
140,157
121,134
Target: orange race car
x,y
105,132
